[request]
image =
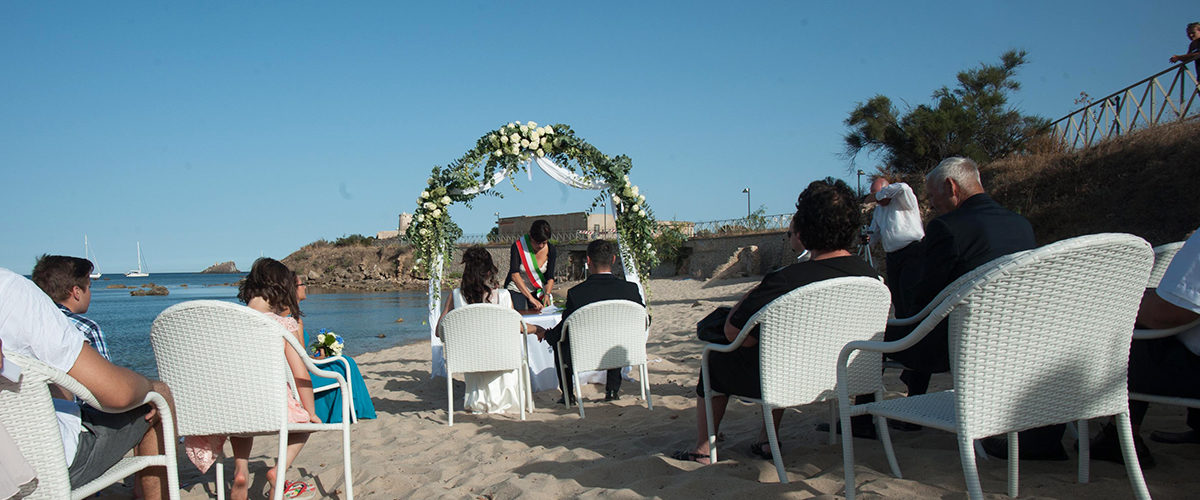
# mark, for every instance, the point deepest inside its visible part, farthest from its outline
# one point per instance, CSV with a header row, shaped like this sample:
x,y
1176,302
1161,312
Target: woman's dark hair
x,y
479,275
540,230
827,216
275,283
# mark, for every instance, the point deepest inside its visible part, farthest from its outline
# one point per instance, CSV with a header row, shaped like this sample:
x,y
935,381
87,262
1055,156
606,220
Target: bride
x,y
490,392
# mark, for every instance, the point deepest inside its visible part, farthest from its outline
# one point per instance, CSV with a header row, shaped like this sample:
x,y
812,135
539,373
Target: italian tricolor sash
x,y
530,264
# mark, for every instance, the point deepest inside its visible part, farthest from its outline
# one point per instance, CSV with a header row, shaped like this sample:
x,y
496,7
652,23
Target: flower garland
x,y
508,150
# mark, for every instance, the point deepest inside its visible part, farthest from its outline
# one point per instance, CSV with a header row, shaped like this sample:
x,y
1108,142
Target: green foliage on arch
x,y
509,150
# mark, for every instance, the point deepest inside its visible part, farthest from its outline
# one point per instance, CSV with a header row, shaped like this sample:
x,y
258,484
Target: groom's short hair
x,y
601,252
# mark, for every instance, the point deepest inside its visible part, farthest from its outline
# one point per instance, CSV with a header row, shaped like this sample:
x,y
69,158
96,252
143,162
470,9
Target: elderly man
x,y
971,229
93,441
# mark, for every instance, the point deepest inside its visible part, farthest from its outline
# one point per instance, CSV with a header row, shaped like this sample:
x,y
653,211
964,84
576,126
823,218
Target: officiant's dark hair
x,y
275,283
540,230
479,275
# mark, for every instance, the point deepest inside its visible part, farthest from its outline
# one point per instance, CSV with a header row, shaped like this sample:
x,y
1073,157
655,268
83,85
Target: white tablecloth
x,y
543,375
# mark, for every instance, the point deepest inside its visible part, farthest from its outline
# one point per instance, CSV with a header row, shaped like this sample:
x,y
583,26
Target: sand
x,y
620,450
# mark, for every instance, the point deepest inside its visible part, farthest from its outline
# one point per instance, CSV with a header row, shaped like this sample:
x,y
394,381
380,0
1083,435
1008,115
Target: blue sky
x,y
214,131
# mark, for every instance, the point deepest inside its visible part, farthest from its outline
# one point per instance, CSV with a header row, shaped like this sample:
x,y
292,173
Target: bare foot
x,y
241,486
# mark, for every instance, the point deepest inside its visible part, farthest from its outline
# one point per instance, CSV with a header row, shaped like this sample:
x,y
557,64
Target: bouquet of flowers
x,y
327,344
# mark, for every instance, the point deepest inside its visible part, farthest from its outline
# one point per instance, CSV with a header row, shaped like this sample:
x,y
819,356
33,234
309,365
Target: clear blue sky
x,y
214,131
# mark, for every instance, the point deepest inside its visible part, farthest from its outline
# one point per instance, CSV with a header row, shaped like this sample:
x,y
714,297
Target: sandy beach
x,y
620,450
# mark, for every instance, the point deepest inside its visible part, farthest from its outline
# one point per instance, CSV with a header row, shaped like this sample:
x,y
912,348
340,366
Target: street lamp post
x,y
747,191
860,174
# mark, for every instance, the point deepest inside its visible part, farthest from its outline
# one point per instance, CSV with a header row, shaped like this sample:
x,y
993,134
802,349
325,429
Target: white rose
x,y
635,192
420,218
493,139
504,139
641,213
524,143
627,192
543,141
627,178
424,194
514,138
524,129
429,205
532,124
424,232
497,153
653,253
636,207
641,199
616,200
516,150
541,152
648,246
445,200
437,212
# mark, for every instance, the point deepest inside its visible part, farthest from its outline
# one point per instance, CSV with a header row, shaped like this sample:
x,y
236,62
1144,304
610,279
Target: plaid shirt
x,y
89,329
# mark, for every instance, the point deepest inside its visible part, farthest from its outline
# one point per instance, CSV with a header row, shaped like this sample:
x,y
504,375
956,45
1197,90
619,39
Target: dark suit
x,y
956,243
596,288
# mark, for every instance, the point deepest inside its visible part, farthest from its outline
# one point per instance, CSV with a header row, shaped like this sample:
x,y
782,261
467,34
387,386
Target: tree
x,y
973,120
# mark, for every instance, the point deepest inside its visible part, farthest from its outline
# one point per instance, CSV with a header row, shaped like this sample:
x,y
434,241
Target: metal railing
x,y
561,237
1144,104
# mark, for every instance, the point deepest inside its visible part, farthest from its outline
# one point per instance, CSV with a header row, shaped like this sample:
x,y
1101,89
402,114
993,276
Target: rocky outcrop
x,y
354,267
222,268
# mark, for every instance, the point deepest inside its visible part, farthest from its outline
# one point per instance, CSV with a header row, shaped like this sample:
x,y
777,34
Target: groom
x,y
600,285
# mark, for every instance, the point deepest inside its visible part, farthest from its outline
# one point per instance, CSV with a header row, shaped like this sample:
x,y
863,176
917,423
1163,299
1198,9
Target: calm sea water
x,y
358,317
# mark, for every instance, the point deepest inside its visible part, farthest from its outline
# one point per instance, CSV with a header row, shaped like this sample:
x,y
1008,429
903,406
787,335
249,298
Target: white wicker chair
x,y
1036,338
229,376
800,335
603,335
1163,255
27,412
481,338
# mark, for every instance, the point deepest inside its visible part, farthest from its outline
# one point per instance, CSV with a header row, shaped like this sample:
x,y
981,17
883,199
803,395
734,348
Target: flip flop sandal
x,y
298,490
689,456
756,449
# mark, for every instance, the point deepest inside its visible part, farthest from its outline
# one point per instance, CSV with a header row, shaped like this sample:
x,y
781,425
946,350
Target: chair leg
x,y
578,395
966,455
1132,467
521,392
881,428
847,447
346,461
562,382
449,398
1084,450
220,480
776,454
646,387
280,470
1014,462
708,411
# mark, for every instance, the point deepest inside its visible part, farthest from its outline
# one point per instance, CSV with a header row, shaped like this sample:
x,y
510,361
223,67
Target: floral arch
x,y
504,152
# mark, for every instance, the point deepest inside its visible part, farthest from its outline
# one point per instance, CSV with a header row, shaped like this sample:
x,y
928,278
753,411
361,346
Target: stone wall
x,y
716,256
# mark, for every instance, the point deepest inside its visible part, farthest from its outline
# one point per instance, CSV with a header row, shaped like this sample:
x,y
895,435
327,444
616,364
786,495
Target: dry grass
x,y
1143,184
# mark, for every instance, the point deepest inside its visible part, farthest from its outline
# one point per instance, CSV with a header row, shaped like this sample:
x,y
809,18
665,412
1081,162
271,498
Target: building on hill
x,y
567,227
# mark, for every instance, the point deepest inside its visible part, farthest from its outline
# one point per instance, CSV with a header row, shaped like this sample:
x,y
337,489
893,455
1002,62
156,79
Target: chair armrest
x,y
311,363
1139,334
737,341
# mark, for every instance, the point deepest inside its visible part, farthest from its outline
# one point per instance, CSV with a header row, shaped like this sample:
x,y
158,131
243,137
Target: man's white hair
x,y
963,171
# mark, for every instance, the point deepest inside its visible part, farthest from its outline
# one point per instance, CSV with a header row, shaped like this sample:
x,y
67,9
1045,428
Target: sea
x,y
367,321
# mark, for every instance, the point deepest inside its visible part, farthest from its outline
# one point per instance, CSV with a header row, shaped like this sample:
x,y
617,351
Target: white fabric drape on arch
x,y
555,172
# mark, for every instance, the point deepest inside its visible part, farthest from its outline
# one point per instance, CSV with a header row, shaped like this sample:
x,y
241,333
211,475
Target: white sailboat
x,y
89,256
139,273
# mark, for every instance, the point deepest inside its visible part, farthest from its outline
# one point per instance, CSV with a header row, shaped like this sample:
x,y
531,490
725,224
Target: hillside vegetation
x,y
1143,183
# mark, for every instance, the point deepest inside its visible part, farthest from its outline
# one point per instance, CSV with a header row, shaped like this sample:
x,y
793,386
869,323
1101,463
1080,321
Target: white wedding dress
x,y
490,392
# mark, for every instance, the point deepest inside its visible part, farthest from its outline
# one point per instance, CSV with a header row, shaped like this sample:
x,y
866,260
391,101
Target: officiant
x,y
531,261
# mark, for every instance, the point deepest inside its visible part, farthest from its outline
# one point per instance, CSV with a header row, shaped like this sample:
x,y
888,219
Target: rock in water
x,y
221,268
153,290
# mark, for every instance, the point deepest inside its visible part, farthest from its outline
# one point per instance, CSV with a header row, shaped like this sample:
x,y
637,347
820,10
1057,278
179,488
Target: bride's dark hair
x,y
479,275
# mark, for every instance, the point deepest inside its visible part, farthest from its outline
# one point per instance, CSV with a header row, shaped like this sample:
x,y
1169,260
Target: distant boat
x,y
139,273
89,256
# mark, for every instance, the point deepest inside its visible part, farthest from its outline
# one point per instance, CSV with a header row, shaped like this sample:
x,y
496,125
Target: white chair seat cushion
x,y
930,410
